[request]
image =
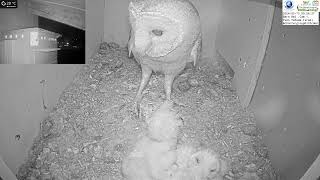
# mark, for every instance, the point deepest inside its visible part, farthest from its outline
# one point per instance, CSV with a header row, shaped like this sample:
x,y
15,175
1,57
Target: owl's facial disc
x,y
155,36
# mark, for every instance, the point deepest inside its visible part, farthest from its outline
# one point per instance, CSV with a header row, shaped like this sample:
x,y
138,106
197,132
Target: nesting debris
x,y
92,128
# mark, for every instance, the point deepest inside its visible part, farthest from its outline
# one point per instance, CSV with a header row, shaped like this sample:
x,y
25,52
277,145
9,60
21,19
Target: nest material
x,y
92,128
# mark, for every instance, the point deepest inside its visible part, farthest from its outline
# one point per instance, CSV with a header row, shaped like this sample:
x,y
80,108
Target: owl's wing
x,y
132,16
195,52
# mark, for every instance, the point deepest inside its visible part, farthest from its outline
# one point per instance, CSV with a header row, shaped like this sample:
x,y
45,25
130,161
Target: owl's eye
x,y
157,32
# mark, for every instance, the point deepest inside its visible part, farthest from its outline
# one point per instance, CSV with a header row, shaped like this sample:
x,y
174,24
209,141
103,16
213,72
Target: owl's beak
x,y
143,50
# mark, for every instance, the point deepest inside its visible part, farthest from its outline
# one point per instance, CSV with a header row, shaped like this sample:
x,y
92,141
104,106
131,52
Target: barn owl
x,y
164,36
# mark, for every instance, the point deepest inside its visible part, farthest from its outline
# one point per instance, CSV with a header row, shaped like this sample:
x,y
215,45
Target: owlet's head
x,y
158,27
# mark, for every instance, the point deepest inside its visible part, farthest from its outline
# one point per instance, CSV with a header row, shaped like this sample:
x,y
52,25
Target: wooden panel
x,y
242,40
2,52
259,25
20,46
5,172
18,49
19,52
116,26
209,11
46,39
313,172
17,18
230,30
8,51
15,52
80,4
286,99
94,26
45,57
69,13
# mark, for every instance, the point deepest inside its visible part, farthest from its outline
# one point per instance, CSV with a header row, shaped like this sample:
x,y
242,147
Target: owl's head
x,y
160,26
208,164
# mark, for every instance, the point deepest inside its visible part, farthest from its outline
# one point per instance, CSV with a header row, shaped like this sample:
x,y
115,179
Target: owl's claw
x,y
176,103
136,107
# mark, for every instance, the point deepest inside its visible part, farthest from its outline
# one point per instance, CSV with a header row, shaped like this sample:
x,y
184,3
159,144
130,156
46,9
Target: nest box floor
x,y
93,127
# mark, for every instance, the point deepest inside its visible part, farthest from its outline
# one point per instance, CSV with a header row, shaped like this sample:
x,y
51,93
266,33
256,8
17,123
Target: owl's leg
x,y
168,81
146,73
130,43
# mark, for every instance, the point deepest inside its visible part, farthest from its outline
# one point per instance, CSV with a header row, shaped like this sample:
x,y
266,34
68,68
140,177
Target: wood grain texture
x,y
78,4
68,12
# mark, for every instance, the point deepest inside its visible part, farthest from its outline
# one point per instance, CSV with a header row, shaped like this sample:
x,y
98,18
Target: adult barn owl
x,y
165,35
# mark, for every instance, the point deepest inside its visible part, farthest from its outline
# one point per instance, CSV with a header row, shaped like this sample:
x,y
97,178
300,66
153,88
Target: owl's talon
x,y
136,107
177,103
138,110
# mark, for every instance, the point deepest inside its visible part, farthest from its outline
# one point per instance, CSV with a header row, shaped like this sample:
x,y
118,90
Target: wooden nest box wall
x,y
70,12
242,39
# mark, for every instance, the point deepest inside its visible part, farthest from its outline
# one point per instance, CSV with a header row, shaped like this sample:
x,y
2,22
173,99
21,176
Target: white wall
x,y
116,26
17,18
21,109
287,97
242,37
94,26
